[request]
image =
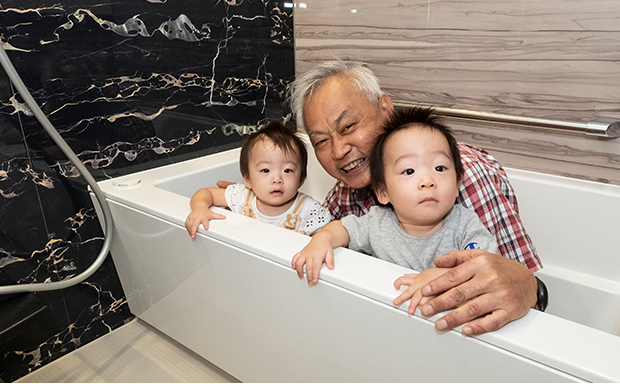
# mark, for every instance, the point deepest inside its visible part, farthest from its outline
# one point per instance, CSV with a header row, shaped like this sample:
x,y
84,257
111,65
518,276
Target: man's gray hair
x,y
362,78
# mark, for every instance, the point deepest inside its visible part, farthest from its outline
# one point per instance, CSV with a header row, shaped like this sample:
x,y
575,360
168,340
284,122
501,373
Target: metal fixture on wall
x,y
602,127
107,215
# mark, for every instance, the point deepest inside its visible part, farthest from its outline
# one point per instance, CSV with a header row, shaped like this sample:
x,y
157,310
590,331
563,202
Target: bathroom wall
x,y
130,85
552,59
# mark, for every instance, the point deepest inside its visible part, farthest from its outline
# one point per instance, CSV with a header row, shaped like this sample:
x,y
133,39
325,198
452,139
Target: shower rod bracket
x,y
604,127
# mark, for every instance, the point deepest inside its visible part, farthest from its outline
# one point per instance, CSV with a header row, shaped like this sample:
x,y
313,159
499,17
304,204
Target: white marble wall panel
x,y
550,59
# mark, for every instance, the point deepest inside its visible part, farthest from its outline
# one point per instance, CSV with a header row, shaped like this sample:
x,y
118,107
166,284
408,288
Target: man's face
x,y
343,126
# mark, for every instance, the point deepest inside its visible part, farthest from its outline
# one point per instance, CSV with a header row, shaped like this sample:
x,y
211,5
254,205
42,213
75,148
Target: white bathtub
x,y
231,296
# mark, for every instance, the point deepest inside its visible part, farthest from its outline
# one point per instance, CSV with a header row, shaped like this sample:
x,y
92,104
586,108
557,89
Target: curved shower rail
x,y
107,215
603,127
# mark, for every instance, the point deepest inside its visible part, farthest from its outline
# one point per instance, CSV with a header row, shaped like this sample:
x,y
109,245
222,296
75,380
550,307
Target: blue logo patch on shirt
x,y
473,245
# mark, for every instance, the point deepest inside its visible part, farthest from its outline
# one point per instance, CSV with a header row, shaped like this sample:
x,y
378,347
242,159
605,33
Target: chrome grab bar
x,y
602,127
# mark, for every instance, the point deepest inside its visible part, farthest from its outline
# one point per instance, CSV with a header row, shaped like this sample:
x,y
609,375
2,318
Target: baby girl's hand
x,y
197,217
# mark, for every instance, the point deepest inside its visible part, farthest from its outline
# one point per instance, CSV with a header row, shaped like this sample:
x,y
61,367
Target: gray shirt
x,y
378,234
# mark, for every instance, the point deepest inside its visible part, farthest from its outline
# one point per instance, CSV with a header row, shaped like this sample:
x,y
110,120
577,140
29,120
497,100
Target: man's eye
x,y
319,142
408,171
441,168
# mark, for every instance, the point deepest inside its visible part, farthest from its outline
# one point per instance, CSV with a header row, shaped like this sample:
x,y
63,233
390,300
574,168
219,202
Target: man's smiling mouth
x,y
355,164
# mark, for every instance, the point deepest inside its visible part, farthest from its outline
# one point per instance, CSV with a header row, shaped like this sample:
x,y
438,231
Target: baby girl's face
x,y
274,176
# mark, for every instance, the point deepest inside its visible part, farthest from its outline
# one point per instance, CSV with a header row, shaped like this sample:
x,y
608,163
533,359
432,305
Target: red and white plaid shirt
x,y
485,188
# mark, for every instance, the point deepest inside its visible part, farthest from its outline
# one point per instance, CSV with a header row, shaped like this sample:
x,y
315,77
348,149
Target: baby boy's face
x,y
420,179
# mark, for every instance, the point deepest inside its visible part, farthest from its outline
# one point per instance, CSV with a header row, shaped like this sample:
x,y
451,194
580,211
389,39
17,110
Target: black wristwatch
x,y
542,298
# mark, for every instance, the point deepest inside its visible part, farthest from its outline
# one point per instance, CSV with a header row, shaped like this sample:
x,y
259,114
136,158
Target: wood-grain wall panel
x,y
552,59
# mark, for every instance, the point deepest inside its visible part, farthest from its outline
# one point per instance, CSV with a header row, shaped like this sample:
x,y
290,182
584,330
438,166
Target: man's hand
x,y
223,184
501,290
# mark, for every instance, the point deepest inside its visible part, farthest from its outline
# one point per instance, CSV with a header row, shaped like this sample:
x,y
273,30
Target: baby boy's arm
x,y
320,249
201,203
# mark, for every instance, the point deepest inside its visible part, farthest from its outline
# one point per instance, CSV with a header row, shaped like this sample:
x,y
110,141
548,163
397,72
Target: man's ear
x,y
386,104
382,196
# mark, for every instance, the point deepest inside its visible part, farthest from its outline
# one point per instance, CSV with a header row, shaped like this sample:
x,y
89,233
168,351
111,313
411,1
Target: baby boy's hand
x,y
415,282
312,256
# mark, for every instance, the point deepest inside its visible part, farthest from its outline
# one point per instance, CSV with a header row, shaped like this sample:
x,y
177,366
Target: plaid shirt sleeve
x,y
486,189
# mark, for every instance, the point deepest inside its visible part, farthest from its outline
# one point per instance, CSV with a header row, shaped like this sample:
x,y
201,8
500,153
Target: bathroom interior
x,y
133,86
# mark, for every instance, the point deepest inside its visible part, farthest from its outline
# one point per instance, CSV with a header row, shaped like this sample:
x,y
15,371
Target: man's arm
x,y
500,291
496,206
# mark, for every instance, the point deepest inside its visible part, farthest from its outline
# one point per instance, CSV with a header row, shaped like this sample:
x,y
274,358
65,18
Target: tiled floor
x,y
132,353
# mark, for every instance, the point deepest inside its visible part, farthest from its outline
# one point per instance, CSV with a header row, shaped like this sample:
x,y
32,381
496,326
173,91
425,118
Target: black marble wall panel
x,y
130,85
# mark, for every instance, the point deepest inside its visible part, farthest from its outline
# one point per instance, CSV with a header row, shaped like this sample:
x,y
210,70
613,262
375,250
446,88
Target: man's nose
x,y
340,147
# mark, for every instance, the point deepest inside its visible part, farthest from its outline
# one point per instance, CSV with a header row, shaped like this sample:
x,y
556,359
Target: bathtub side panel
x,y
256,320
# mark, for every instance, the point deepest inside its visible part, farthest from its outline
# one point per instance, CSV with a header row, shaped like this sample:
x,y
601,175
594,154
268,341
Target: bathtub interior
x,y
317,184
574,226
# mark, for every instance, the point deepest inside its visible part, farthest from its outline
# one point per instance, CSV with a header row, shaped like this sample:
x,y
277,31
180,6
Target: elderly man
x,y
342,108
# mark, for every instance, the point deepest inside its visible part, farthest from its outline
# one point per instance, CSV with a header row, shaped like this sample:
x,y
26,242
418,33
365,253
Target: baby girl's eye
x,y
408,171
441,168
264,170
